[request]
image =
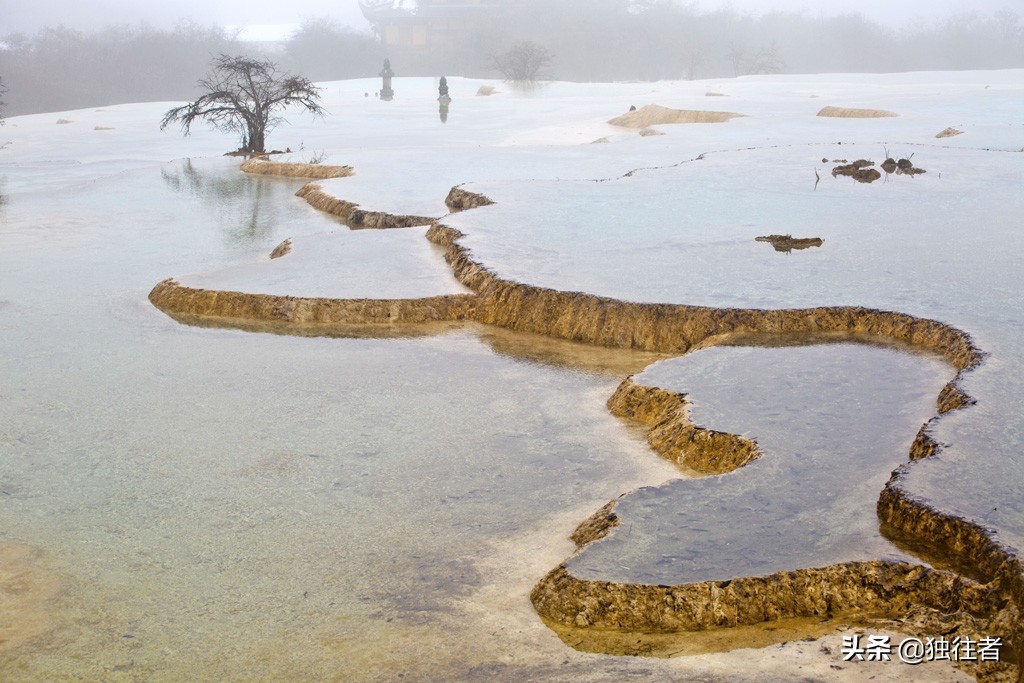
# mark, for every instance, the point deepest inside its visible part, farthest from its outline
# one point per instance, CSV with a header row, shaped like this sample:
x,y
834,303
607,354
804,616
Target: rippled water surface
x,y
832,422
227,505
239,504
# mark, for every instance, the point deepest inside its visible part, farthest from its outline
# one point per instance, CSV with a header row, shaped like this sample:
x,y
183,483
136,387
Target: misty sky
x,y
19,15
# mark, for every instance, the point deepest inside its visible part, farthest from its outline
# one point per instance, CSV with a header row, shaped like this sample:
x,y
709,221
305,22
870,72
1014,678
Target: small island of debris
x,y
787,243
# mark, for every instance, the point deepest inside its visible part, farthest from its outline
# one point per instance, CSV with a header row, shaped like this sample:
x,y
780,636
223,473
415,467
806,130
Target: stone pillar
x,y
443,99
386,93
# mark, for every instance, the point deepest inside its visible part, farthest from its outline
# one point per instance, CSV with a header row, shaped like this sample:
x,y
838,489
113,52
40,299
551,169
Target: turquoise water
x,y
235,506
240,506
832,422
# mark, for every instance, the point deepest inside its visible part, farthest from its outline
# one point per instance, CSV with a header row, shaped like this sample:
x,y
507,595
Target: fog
x,y
86,54
93,14
25,17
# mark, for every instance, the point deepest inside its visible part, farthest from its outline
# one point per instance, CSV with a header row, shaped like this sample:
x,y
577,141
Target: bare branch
x,y
525,61
243,95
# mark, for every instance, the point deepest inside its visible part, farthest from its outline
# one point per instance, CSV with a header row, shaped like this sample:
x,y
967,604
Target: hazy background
x,y
56,56
21,16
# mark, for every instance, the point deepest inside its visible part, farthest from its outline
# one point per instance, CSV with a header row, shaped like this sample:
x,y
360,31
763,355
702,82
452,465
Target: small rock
x,y
859,170
786,244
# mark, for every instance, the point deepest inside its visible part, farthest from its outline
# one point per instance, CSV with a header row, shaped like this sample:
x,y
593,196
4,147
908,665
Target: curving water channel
x,y
832,421
245,506
212,503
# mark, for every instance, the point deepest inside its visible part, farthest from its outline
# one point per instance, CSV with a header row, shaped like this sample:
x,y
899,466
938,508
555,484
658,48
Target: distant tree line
x,y
664,39
323,50
584,40
57,69
60,68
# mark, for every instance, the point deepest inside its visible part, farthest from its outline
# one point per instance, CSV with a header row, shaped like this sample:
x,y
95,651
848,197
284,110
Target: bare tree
x,y
244,95
767,60
738,57
525,61
3,89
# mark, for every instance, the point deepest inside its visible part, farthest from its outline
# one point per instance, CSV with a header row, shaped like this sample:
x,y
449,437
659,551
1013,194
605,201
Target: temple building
x,y
427,23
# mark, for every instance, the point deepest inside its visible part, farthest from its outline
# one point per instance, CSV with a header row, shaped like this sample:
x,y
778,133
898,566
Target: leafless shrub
x,y
523,62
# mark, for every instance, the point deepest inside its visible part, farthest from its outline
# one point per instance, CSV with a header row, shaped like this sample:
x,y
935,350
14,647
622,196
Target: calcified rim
x,y
263,166
990,606
855,113
352,215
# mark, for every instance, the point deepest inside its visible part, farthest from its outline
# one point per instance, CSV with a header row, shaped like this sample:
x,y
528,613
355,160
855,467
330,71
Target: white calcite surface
x,y
364,264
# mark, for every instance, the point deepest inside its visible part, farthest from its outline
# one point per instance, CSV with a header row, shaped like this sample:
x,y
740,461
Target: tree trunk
x,y
257,139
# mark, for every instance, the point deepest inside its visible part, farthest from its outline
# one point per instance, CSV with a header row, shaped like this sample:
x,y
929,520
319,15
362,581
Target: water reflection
x,y
240,200
533,349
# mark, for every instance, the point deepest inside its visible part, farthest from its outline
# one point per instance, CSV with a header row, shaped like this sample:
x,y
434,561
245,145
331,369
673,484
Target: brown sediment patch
x,y
787,243
650,132
26,591
486,90
61,122
103,128
175,299
352,215
852,113
713,94
674,437
948,133
282,249
687,643
600,141
952,397
877,587
859,170
653,114
338,330
546,350
901,167
461,200
597,526
261,166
